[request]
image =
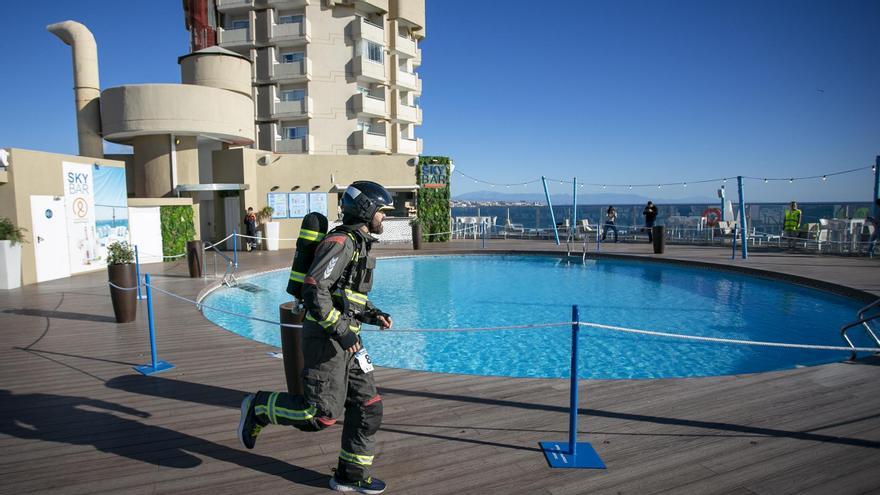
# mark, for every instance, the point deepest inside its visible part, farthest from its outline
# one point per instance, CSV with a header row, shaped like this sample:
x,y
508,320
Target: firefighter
x,y
337,372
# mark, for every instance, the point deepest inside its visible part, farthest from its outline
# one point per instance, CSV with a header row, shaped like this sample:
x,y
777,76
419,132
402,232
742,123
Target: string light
x,y
823,177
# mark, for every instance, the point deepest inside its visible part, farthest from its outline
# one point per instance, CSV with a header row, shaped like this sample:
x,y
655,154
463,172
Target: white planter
x,y
272,235
10,262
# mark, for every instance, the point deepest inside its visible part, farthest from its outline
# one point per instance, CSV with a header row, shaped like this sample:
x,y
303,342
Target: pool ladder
x,y
229,279
863,321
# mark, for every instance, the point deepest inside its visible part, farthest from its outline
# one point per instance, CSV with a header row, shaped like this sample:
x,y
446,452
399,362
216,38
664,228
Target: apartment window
x,y
295,132
292,57
364,125
290,19
240,24
375,21
374,52
293,95
363,90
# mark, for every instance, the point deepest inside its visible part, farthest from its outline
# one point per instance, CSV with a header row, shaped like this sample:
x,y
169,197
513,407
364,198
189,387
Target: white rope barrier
x,y
729,341
162,255
561,324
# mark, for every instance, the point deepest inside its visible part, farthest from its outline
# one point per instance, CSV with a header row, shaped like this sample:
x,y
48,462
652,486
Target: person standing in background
x,y
650,213
250,228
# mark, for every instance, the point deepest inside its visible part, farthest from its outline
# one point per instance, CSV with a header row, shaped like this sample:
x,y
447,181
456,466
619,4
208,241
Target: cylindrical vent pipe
x,y
85,85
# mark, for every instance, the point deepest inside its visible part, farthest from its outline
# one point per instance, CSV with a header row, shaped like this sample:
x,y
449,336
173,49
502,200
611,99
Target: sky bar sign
x,y
434,176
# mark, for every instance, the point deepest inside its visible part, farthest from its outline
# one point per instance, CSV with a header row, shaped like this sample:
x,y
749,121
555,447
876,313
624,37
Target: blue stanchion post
x,y
235,248
550,204
137,271
574,212
744,228
733,245
572,454
155,366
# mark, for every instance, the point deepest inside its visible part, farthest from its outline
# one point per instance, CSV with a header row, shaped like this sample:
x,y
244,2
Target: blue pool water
x,y
485,291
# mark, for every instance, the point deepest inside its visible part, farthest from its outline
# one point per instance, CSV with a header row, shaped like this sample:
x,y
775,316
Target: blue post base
x,y
557,454
148,369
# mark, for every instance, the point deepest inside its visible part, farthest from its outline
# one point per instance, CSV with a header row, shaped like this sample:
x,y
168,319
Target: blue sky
x,y
611,92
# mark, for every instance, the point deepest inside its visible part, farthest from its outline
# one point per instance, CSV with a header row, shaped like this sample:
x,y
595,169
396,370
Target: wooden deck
x,y
76,418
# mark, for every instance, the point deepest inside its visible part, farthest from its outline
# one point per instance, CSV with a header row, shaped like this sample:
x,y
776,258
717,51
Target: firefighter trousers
x,y
333,387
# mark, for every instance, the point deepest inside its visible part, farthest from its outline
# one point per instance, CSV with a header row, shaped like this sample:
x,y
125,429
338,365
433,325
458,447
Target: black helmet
x,y
362,200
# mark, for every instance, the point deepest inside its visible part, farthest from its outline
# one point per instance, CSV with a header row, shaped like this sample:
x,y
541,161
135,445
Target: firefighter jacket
x,y
336,285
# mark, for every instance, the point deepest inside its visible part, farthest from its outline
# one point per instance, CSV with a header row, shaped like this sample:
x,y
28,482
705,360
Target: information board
x,y
278,202
298,204
318,202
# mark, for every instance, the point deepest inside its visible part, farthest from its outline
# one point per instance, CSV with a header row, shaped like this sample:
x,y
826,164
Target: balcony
x,y
368,70
234,5
369,106
406,47
367,141
363,29
409,81
296,33
292,72
235,38
292,110
407,146
302,146
287,4
406,113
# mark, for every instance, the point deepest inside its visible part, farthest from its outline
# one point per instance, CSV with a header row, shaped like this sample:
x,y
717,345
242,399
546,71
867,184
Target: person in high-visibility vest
x,y
792,223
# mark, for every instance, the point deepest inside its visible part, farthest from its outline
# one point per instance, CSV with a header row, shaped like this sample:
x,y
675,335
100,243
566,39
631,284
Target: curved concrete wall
x,y
217,71
180,109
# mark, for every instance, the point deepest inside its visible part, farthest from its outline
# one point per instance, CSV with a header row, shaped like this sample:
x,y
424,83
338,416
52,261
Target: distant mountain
x,y
588,198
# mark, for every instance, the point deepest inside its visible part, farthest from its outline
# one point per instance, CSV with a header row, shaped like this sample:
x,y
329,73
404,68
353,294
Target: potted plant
x,y
11,239
416,232
121,272
270,229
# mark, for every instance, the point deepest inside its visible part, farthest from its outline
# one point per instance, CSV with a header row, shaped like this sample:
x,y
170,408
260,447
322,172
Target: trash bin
x,y
658,232
291,346
194,258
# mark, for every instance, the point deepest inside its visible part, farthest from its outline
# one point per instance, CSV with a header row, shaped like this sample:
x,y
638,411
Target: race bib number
x,y
364,360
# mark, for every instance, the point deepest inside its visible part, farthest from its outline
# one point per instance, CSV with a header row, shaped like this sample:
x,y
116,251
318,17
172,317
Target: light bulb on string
x,y
685,184
603,186
790,181
824,178
630,187
659,186
765,181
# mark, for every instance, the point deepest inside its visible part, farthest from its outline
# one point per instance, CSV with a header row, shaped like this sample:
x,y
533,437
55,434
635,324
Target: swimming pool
x,y
488,291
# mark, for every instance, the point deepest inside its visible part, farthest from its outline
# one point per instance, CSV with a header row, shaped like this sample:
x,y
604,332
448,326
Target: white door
x,y
50,237
146,233
232,211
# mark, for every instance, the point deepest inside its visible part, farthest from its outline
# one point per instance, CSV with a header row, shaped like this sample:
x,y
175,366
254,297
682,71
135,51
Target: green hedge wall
x,y
433,203
177,228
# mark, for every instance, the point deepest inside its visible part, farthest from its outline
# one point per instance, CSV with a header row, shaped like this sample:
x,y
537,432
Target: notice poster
x,y
318,202
79,197
278,203
111,208
298,204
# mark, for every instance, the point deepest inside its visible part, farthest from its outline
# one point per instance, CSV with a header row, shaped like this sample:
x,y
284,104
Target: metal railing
x,y
862,320
228,279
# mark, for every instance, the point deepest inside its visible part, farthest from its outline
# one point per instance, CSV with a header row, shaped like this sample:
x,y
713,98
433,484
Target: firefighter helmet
x,y
362,199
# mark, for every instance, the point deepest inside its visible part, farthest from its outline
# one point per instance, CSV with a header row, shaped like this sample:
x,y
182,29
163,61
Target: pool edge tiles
x,y
451,291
